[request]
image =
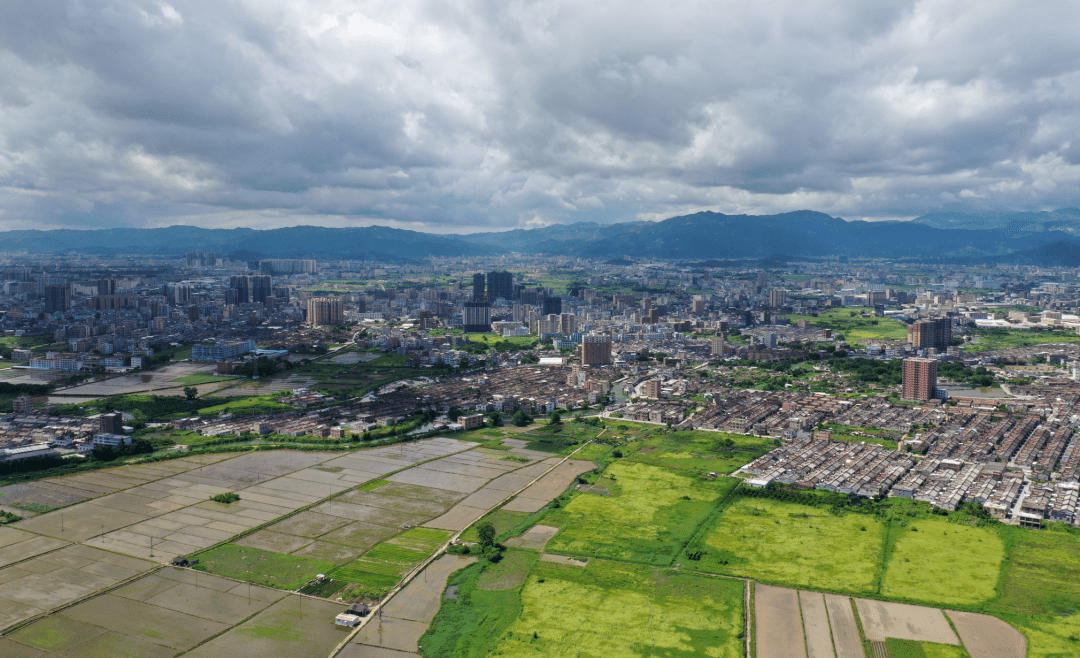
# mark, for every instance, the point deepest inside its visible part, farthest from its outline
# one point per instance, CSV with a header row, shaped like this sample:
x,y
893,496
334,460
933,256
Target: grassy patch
x,y
700,451
509,572
203,378
471,625
793,544
503,520
649,515
1040,590
855,328
943,563
247,405
261,567
611,609
1000,338
372,485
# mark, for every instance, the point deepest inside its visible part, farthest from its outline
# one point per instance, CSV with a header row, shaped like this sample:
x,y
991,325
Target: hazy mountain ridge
x,y
700,236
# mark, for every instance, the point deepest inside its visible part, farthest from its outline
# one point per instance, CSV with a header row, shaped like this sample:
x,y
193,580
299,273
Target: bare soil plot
x,y
530,454
988,637
276,542
845,631
56,634
12,649
528,505
444,496
539,468
80,522
38,498
458,518
562,559
779,627
510,482
309,524
515,443
534,538
174,629
298,627
16,545
882,619
360,534
398,503
815,619
330,552
558,480
366,651
392,633
486,498
423,476
370,514
421,598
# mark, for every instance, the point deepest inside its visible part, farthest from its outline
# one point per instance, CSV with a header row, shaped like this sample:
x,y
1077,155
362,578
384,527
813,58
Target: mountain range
x,y
1043,238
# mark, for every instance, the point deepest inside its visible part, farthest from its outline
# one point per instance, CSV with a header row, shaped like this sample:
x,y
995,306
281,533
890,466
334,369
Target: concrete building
x,y
935,334
221,351
472,421
23,404
322,311
57,298
478,287
652,389
476,316
717,346
777,297
596,350
500,285
551,306
920,379
111,440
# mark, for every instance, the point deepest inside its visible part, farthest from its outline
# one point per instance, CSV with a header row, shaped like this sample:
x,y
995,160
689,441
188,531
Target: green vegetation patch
x,y
247,405
372,485
1000,338
792,544
850,323
261,567
509,572
912,649
648,517
503,520
226,498
943,563
203,378
609,609
692,451
425,540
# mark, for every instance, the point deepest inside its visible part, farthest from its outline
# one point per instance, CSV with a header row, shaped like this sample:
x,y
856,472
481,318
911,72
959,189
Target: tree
x,y
521,419
495,419
191,392
486,530
556,419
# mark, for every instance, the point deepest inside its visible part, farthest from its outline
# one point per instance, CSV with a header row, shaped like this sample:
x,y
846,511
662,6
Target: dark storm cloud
x,y
462,115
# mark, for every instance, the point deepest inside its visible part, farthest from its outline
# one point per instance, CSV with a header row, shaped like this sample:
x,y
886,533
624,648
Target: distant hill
x,y
1039,238
1065,219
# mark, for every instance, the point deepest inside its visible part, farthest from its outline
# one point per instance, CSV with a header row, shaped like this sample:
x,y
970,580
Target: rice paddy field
x,y
791,544
647,516
603,609
699,452
932,560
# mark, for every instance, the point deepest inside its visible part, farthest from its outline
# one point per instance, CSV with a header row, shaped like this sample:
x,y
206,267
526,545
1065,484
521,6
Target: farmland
x,y
853,326
649,513
697,452
792,544
598,609
943,563
1000,338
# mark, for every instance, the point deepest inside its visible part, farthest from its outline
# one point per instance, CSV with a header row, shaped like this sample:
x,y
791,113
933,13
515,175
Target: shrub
x,y
226,498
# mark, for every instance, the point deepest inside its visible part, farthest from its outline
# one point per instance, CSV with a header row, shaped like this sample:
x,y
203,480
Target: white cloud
x,y
468,114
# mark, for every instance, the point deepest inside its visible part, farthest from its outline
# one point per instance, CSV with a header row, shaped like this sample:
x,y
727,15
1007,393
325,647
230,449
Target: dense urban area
x,y
460,456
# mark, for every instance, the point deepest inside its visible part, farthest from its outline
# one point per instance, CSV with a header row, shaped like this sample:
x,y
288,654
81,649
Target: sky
x,y
456,116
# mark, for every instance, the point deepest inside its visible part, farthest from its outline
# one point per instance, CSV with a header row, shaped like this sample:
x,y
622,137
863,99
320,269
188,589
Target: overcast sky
x,y
458,116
